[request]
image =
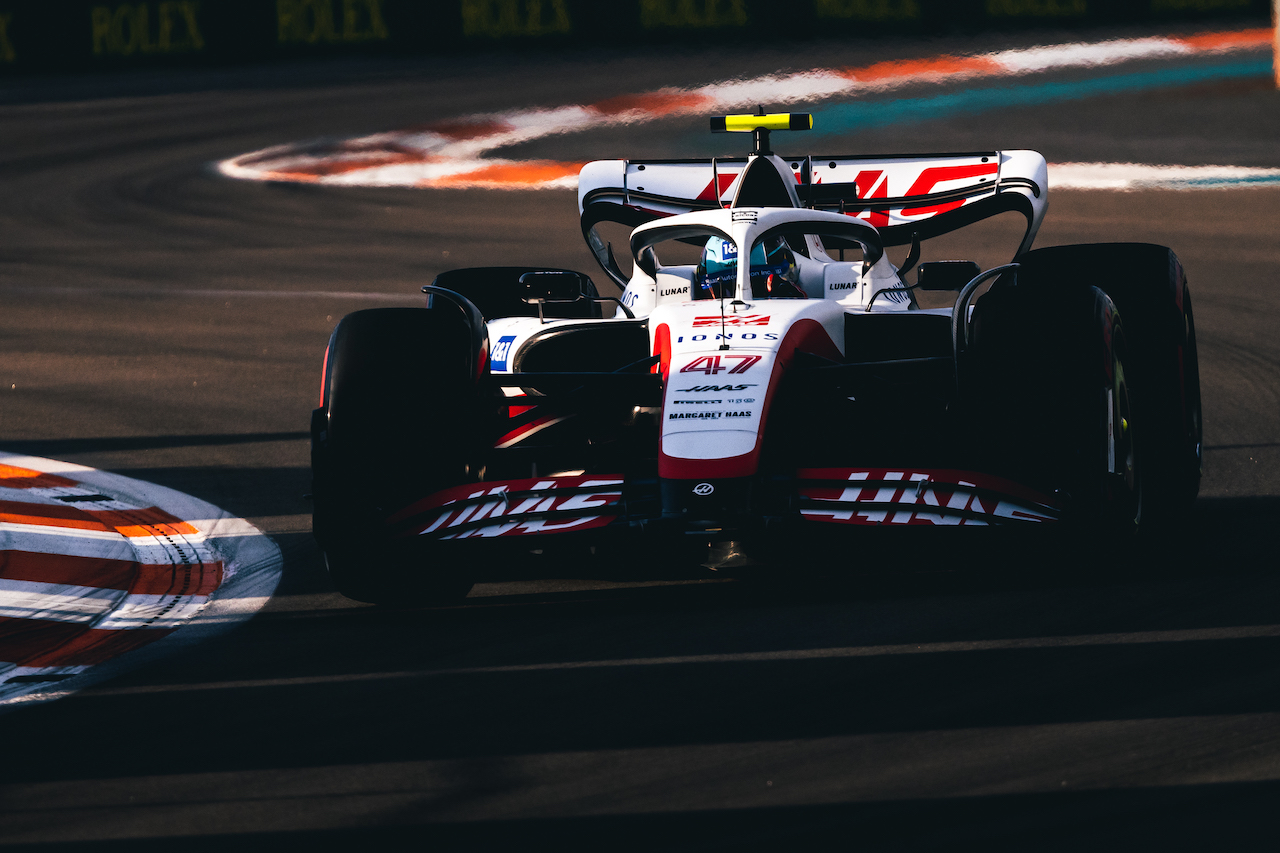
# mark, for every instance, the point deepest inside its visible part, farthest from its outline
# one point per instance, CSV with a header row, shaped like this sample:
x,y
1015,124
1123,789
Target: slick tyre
x,y
1149,288
405,413
1051,398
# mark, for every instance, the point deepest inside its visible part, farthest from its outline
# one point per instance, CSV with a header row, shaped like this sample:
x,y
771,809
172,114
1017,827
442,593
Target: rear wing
x,y
916,195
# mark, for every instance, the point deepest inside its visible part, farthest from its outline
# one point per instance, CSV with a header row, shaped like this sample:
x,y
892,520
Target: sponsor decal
x,y
508,18
728,336
529,429
921,497
703,489
700,389
713,364
329,21
707,416
501,352
934,175
732,320
657,14
147,28
842,285
673,291
505,507
883,10
745,216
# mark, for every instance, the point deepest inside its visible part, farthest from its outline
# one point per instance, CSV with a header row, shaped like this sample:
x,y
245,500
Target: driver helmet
x,y
717,272
774,272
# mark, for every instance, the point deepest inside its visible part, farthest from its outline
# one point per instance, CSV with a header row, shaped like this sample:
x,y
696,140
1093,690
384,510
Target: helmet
x,y
717,273
773,270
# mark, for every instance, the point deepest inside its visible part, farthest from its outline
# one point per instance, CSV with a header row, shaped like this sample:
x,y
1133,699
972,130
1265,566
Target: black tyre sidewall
x,y
1148,286
405,414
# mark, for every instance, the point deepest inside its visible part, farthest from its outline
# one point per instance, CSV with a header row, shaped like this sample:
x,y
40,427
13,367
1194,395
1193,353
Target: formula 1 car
x,y
768,378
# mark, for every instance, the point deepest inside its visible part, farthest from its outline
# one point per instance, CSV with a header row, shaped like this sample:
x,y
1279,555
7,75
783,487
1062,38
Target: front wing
x,y
600,504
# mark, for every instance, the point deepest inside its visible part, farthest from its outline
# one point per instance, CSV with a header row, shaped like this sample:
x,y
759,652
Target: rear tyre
x,y
405,414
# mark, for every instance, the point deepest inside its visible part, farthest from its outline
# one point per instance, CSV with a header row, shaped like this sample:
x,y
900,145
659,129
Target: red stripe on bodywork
x,y
662,349
522,432
676,468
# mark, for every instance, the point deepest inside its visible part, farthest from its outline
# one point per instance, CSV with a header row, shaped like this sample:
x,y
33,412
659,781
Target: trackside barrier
x,y
67,35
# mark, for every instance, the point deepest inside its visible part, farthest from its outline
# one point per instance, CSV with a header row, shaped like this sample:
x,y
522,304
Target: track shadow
x,y
681,668
328,682
60,446
1233,816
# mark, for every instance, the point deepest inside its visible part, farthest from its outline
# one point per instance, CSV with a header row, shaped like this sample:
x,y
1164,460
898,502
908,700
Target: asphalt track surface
x,y
168,324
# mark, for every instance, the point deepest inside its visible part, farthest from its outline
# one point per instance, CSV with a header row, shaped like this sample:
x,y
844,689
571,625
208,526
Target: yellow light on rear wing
x,y
773,121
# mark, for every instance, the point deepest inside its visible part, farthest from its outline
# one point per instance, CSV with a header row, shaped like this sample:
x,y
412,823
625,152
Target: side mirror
x,y
550,286
946,275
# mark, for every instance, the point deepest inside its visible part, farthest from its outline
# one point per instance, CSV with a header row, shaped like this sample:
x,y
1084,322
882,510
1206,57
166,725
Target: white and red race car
x,y
767,378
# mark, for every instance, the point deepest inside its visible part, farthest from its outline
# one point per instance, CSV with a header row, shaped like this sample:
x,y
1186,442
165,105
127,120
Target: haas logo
x,y
712,364
732,320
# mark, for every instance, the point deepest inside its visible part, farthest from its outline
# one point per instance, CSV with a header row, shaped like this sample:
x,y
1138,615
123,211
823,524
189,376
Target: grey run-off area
x,y
168,324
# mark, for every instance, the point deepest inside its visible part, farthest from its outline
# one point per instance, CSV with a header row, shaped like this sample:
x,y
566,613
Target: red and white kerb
x,y
85,577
